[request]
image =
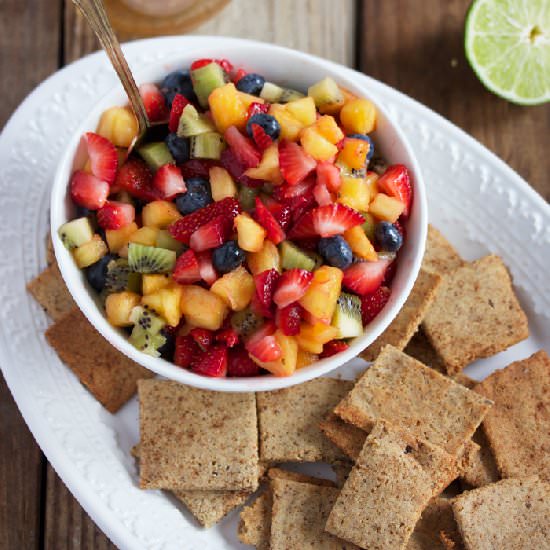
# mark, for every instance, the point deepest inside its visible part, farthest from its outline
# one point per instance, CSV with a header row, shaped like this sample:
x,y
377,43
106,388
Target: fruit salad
x,y
254,231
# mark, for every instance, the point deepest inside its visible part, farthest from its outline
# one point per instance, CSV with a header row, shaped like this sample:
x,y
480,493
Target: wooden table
x,y
417,47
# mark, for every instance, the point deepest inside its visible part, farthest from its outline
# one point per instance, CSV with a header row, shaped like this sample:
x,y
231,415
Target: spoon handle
x,y
94,13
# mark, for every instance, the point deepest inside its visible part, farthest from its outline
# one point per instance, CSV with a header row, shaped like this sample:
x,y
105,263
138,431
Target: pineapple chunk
x,y
159,214
221,183
372,183
386,208
321,295
354,153
235,288
250,234
303,110
118,307
268,169
119,125
165,240
286,364
316,145
266,258
305,358
248,99
354,193
325,92
360,244
145,235
227,108
358,116
290,126
152,282
167,303
89,253
117,238
311,338
202,308
329,129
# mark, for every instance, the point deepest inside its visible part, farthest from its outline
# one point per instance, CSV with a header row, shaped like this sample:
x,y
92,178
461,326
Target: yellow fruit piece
x,y
290,126
266,258
123,252
152,282
386,208
332,109
305,358
145,235
360,244
354,193
321,295
248,99
235,288
159,214
221,183
311,338
117,238
358,116
354,153
348,96
227,108
371,179
119,125
89,253
268,169
286,365
329,129
250,234
316,145
167,302
303,109
202,308
118,307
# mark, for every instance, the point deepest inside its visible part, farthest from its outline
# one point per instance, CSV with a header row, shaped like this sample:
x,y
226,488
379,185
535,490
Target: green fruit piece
x,y
76,233
150,259
293,257
369,225
205,80
165,240
290,95
247,197
116,278
246,322
156,154
207,146
325,91
271,92
347,316
507,43
146,335
192,123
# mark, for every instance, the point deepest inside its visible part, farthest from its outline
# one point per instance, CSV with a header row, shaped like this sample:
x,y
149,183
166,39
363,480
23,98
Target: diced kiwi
x,y
205,79
369,225
165,240
246,322
120,277
150,259
247,197
292,257
207,146
156,154
146,334
325,91
347,316
317,258
275,94
345,170
192,123
76,232
290,95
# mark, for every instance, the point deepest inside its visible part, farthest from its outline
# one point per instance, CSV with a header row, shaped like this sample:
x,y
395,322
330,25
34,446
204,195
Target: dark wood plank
x,y
417,47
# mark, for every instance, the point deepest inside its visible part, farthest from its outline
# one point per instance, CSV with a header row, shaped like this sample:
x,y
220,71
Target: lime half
x,y
507,43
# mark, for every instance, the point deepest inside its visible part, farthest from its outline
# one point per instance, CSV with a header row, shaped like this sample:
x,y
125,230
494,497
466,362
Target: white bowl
x,y
282,66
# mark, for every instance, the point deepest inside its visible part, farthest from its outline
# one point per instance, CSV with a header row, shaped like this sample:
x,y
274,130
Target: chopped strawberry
x,y
212,234
395,181
135,177
286,192
183,228
114,215
154,102
198,63
103,157
365,277
185,350
187,270
226,65
329,175
263,345
178,105
326,221
168,181
265,285
261,139
311,243
197,167
242,147
322,194
238,75
300,205
372,304
291,286
240,364
227,336
88,191
211,362
206,268
256,108
281,212
237,169
332,348
288,319
259,308
295,164
390,273
265,218
203,337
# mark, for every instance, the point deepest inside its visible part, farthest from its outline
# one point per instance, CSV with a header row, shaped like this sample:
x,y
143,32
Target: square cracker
x,y
289,419
345,436
402,391
475,314
403,327
481,468
394,478
518,426
512,514
440,256
108,374
192,439
49,290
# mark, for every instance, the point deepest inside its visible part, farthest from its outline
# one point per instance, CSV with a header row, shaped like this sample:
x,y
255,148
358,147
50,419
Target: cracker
x,y
279,473
193,439
49,290
410,316
289,421
342,470
518,426
402,391
475,314
345,436
440,256
512,514
393,480
481,468
50,253
108,374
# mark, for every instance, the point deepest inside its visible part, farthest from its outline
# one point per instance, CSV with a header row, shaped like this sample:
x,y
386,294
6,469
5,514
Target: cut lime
x,y
507,43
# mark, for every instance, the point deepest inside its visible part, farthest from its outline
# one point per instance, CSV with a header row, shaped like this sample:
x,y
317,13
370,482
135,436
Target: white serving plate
x,y
478,202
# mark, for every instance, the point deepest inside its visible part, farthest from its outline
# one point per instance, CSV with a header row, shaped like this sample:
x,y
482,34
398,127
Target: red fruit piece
x,y
114,215
295,164
212,234
288,319
198,63
187,270
261,139
237,170
103,157
227,336
291,286
256,108
197,167
206,268
185,350
326,221
226,65
168,181
300,205
240,364
365,277
238,75
242,147
329,175
265,285
88,191
372,304
264,217
154,102
322,194
263,345
303,188
281,212
395,181
178,105
211,362
135,177
332,348
203,337
183,228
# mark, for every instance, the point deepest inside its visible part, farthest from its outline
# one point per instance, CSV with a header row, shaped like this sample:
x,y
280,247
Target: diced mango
x,y
235,288
358,116
386,208
227,108
248,99
354,193
145,235
316,145
89,253
290,126
118,307
152,282
202,308
117,238
305,358
167,302
360,244
119,125
286,365
222,184
268,169
371,180
321,295
250,234
266,258
329,129
311,338
159,214
303,109
354,153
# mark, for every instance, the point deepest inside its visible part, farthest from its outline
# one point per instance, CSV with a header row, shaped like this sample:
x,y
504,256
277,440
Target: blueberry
x,y
178,82
388,237
364,137
336,251
178,147
167,349
227,257
197,196
251,83
82,212
269,124
96,273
